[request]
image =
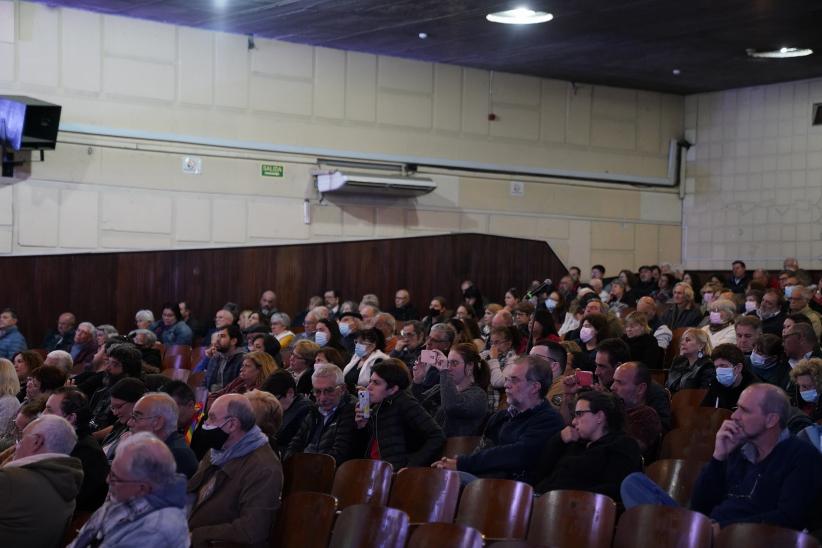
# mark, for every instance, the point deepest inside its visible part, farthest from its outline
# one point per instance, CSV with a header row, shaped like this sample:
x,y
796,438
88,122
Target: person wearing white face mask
x,y
720,328
807,377
732,377
594,329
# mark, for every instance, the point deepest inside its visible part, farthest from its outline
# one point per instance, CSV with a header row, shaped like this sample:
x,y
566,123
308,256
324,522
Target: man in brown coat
x,y
237,487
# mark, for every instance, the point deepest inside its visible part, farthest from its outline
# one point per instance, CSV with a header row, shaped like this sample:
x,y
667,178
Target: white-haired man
x,y
40,485
157,413
146,500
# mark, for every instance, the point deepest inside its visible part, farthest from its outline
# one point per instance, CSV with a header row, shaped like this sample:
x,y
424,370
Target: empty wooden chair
x,y
305,520
308,472
683,443
362,481
573,518
701,418
370,526
460,445
760,535
498,508
676,477
441,535
426,494
663,527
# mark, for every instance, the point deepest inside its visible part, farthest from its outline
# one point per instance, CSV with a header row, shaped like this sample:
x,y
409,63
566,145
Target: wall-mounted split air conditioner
x,y
338,182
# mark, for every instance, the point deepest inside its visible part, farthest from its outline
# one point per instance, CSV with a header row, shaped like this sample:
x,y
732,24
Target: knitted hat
x,y
128,389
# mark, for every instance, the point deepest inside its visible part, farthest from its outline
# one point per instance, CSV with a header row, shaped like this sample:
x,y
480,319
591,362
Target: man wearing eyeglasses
x,y
409,346
157,413
146,502
40,485
329,427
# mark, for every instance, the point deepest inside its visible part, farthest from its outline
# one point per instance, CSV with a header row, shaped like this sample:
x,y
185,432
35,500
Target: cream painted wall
x,y
97,193
754,177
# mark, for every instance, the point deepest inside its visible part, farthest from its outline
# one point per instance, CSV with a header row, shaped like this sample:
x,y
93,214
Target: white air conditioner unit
x,y
363,183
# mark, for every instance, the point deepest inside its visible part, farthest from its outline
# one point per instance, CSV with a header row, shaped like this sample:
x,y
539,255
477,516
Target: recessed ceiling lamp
x,y
519,16
781,53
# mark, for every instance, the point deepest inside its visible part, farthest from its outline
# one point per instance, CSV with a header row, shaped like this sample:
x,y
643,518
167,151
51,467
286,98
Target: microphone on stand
x,y
534,292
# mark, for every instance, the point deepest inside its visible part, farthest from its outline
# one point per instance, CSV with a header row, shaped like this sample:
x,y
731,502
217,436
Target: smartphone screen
x,y
585,378
428,357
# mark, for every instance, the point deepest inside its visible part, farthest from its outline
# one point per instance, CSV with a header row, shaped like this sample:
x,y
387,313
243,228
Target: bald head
x,y
156,413
145,458
771,400
503,318
47,434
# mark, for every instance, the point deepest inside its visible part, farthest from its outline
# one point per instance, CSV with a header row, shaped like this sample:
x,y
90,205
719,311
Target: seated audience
x,y
771,311
409,345
145,340
158,413
61,359
388,326
26,413
542,328
798,304
328,336
84,347
72,405
12,340
25,363
266,343
368,349
190,411
44,380
720,328
256,368
732,377
350,324
768,361
122,361
146,506
63,337
684,312
396,428
280,322
268,413
800,343
301,364
403,310
693,367
807,380
594,329
9,404
40,485
758,472
643,347
124,394
295,406
661,332
557,358
240,510
642,423
328,428
748,330
593,453
224,365
513,437
459,403
143,319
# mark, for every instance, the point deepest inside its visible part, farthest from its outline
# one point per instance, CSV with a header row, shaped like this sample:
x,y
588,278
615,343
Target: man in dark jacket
x,y
157,413
410,343
224,366
329,427
63,337
72,405
295,406
684,312
514,436
732,377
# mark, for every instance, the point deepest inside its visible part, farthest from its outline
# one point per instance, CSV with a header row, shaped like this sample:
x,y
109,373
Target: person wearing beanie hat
x,y
123,395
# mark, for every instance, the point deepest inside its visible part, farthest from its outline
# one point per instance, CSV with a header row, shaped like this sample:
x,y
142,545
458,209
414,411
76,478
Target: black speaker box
x,y
27,123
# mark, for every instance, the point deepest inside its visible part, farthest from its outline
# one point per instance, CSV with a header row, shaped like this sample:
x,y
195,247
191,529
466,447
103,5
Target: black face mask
x,y
214,438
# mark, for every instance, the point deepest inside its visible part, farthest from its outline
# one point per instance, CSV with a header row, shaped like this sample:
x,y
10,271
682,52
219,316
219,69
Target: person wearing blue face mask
x,y
328,335
368,349
767,361
349,324
807,376
731,377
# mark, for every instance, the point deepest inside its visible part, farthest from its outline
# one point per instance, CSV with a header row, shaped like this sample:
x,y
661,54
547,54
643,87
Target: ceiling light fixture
x,y
423,35
519,16
781,53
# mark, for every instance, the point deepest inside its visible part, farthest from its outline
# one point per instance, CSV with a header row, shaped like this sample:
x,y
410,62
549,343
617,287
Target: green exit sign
x,y
271,170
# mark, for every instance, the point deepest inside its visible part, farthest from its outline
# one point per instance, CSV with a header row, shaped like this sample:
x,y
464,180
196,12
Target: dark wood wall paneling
x,y
111,287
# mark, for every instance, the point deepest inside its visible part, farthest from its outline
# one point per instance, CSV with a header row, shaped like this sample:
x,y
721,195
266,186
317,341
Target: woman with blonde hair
x,y
720,328
268,413
693,367
255,369
807,378
642,344
9,404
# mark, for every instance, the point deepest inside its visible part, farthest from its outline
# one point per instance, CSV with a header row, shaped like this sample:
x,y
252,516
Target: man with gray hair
x,y
798,303
61,359
237,487
146,500
84,347
40,485
329,427
157,413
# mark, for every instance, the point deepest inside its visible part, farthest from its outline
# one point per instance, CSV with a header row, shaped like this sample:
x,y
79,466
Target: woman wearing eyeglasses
x,y
594,453
255,369
459,402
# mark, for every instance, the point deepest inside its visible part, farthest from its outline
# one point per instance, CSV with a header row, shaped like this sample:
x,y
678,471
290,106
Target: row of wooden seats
x,y
561,519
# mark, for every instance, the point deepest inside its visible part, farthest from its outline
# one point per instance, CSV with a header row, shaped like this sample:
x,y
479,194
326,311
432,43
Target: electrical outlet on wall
x,y
517,188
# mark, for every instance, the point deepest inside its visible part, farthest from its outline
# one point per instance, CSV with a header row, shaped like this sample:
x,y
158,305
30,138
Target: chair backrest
x,y
687,398
362,481
177,374
573,518
663,527
677,477
760,535
460,445
701,418
197,354
74,525
369,526
308,472
498,508
687,444
441,535
176,361
673,348
426,494
178,350
305,520
196,379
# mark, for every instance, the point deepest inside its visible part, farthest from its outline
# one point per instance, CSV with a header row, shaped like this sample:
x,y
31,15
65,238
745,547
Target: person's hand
x,y
570,386
418,372
445,464
728,438
600,387
493,353
359,420
210,351
569,434
401,344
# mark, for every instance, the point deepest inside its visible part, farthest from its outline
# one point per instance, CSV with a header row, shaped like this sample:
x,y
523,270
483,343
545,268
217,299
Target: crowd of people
x,y
557,379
